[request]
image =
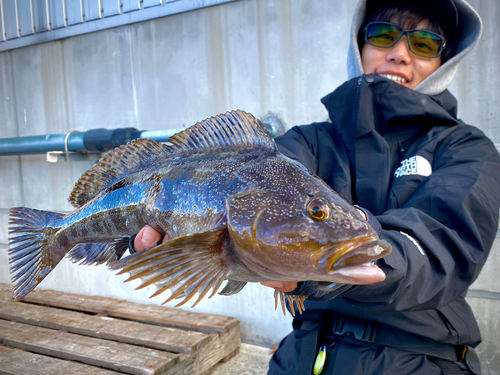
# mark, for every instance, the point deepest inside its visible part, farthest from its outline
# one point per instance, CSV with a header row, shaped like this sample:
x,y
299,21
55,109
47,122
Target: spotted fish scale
x,y
234,207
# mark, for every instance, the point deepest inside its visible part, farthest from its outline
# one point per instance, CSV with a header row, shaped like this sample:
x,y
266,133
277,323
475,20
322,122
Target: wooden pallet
x,y
52,332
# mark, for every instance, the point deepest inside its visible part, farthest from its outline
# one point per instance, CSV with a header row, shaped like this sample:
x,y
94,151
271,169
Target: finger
x,y
146,238
282,286
273,284
166,238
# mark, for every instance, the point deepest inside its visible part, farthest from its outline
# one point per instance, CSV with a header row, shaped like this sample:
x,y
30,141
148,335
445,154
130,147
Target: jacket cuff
x,y
131,249
304,288
310,289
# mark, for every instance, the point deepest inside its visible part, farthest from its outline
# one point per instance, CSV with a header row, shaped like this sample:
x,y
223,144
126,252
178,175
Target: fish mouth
x,y
355,264
360,252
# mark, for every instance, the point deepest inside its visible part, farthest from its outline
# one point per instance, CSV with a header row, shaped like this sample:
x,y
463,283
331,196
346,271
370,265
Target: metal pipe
x,y
41,144
94,141
98,140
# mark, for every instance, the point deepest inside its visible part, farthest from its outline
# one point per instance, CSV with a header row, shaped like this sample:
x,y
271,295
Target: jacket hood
x,y
467,35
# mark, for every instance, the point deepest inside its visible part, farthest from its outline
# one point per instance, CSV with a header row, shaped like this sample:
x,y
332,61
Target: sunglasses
x,y
420,42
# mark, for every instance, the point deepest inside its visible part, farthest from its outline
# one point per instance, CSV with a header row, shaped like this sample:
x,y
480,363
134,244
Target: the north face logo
x,y
416,165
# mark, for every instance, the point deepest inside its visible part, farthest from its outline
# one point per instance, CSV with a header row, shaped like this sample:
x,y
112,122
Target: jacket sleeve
x,y
300,143
440,237
443,234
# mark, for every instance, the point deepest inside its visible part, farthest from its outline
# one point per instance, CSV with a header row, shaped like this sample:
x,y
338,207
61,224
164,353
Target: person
x,y
426,181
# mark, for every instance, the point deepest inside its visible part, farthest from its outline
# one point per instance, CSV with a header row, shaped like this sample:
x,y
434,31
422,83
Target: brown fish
x,y
235,207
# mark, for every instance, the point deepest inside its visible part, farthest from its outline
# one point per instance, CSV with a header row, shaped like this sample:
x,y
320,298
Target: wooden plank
x,y
174,317
134,311
223,342
151,336
19,362
126,358
5,292
203,361
231,355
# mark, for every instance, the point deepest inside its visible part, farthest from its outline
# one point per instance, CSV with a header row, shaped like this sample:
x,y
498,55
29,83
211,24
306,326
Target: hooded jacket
x,y
430,186
467,35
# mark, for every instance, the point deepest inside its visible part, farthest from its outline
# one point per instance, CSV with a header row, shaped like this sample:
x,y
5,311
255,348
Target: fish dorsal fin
x,y
228,129
116,163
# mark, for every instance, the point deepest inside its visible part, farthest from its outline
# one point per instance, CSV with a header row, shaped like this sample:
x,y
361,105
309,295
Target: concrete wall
x,y
261,56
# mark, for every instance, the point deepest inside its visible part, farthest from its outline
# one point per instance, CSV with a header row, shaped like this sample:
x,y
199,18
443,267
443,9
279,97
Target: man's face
x,y
398,63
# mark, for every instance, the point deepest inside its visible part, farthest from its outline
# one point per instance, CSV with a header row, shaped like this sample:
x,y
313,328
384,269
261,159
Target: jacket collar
x,y
374,103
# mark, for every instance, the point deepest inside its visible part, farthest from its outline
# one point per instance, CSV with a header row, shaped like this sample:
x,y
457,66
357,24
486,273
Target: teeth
x,y
368,263
394,78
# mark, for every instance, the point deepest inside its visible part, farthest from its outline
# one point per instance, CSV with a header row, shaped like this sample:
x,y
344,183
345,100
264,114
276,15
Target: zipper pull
x,y
319,363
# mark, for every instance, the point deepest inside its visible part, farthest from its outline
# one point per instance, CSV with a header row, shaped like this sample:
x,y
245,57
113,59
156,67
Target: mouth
x,y
356,264
395,78
363,252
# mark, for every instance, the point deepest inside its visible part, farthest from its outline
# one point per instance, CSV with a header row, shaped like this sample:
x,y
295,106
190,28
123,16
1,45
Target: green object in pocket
x,y
319,363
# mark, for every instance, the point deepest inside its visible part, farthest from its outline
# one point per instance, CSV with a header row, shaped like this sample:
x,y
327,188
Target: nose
x,y
400,53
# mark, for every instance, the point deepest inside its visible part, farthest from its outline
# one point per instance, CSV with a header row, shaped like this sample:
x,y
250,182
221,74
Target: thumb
x,y
146,238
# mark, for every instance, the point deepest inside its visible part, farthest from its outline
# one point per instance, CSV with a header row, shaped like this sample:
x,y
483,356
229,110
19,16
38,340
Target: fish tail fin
x,y
31,256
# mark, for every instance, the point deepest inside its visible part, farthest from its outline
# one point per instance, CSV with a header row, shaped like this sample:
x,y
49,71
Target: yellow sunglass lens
x,y
382,35
423,43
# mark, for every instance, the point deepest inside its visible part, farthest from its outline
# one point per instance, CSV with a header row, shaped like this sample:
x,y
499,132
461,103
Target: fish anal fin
x,y
122,160
120,246
99,253
189,264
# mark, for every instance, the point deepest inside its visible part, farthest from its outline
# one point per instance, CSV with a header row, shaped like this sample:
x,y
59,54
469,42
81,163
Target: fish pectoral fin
x,y
190,264
232,287
99,253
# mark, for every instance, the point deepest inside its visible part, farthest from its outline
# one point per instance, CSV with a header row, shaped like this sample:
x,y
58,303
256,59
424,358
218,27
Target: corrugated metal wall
x,y
27,22
262,56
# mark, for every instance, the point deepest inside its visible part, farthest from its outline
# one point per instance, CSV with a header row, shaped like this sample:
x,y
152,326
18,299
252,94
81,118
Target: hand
x,y
282,286
148,238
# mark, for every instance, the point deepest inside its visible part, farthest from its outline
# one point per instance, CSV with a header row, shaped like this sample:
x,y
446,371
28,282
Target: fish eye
x,y
319,209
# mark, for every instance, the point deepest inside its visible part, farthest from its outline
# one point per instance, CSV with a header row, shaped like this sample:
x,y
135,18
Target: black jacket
x,y
431,187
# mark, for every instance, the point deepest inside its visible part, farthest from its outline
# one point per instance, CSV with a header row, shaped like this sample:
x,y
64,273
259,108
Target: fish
x,y
234,206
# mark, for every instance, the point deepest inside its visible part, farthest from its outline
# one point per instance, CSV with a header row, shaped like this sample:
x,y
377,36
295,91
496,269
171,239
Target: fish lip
x,y
360,251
